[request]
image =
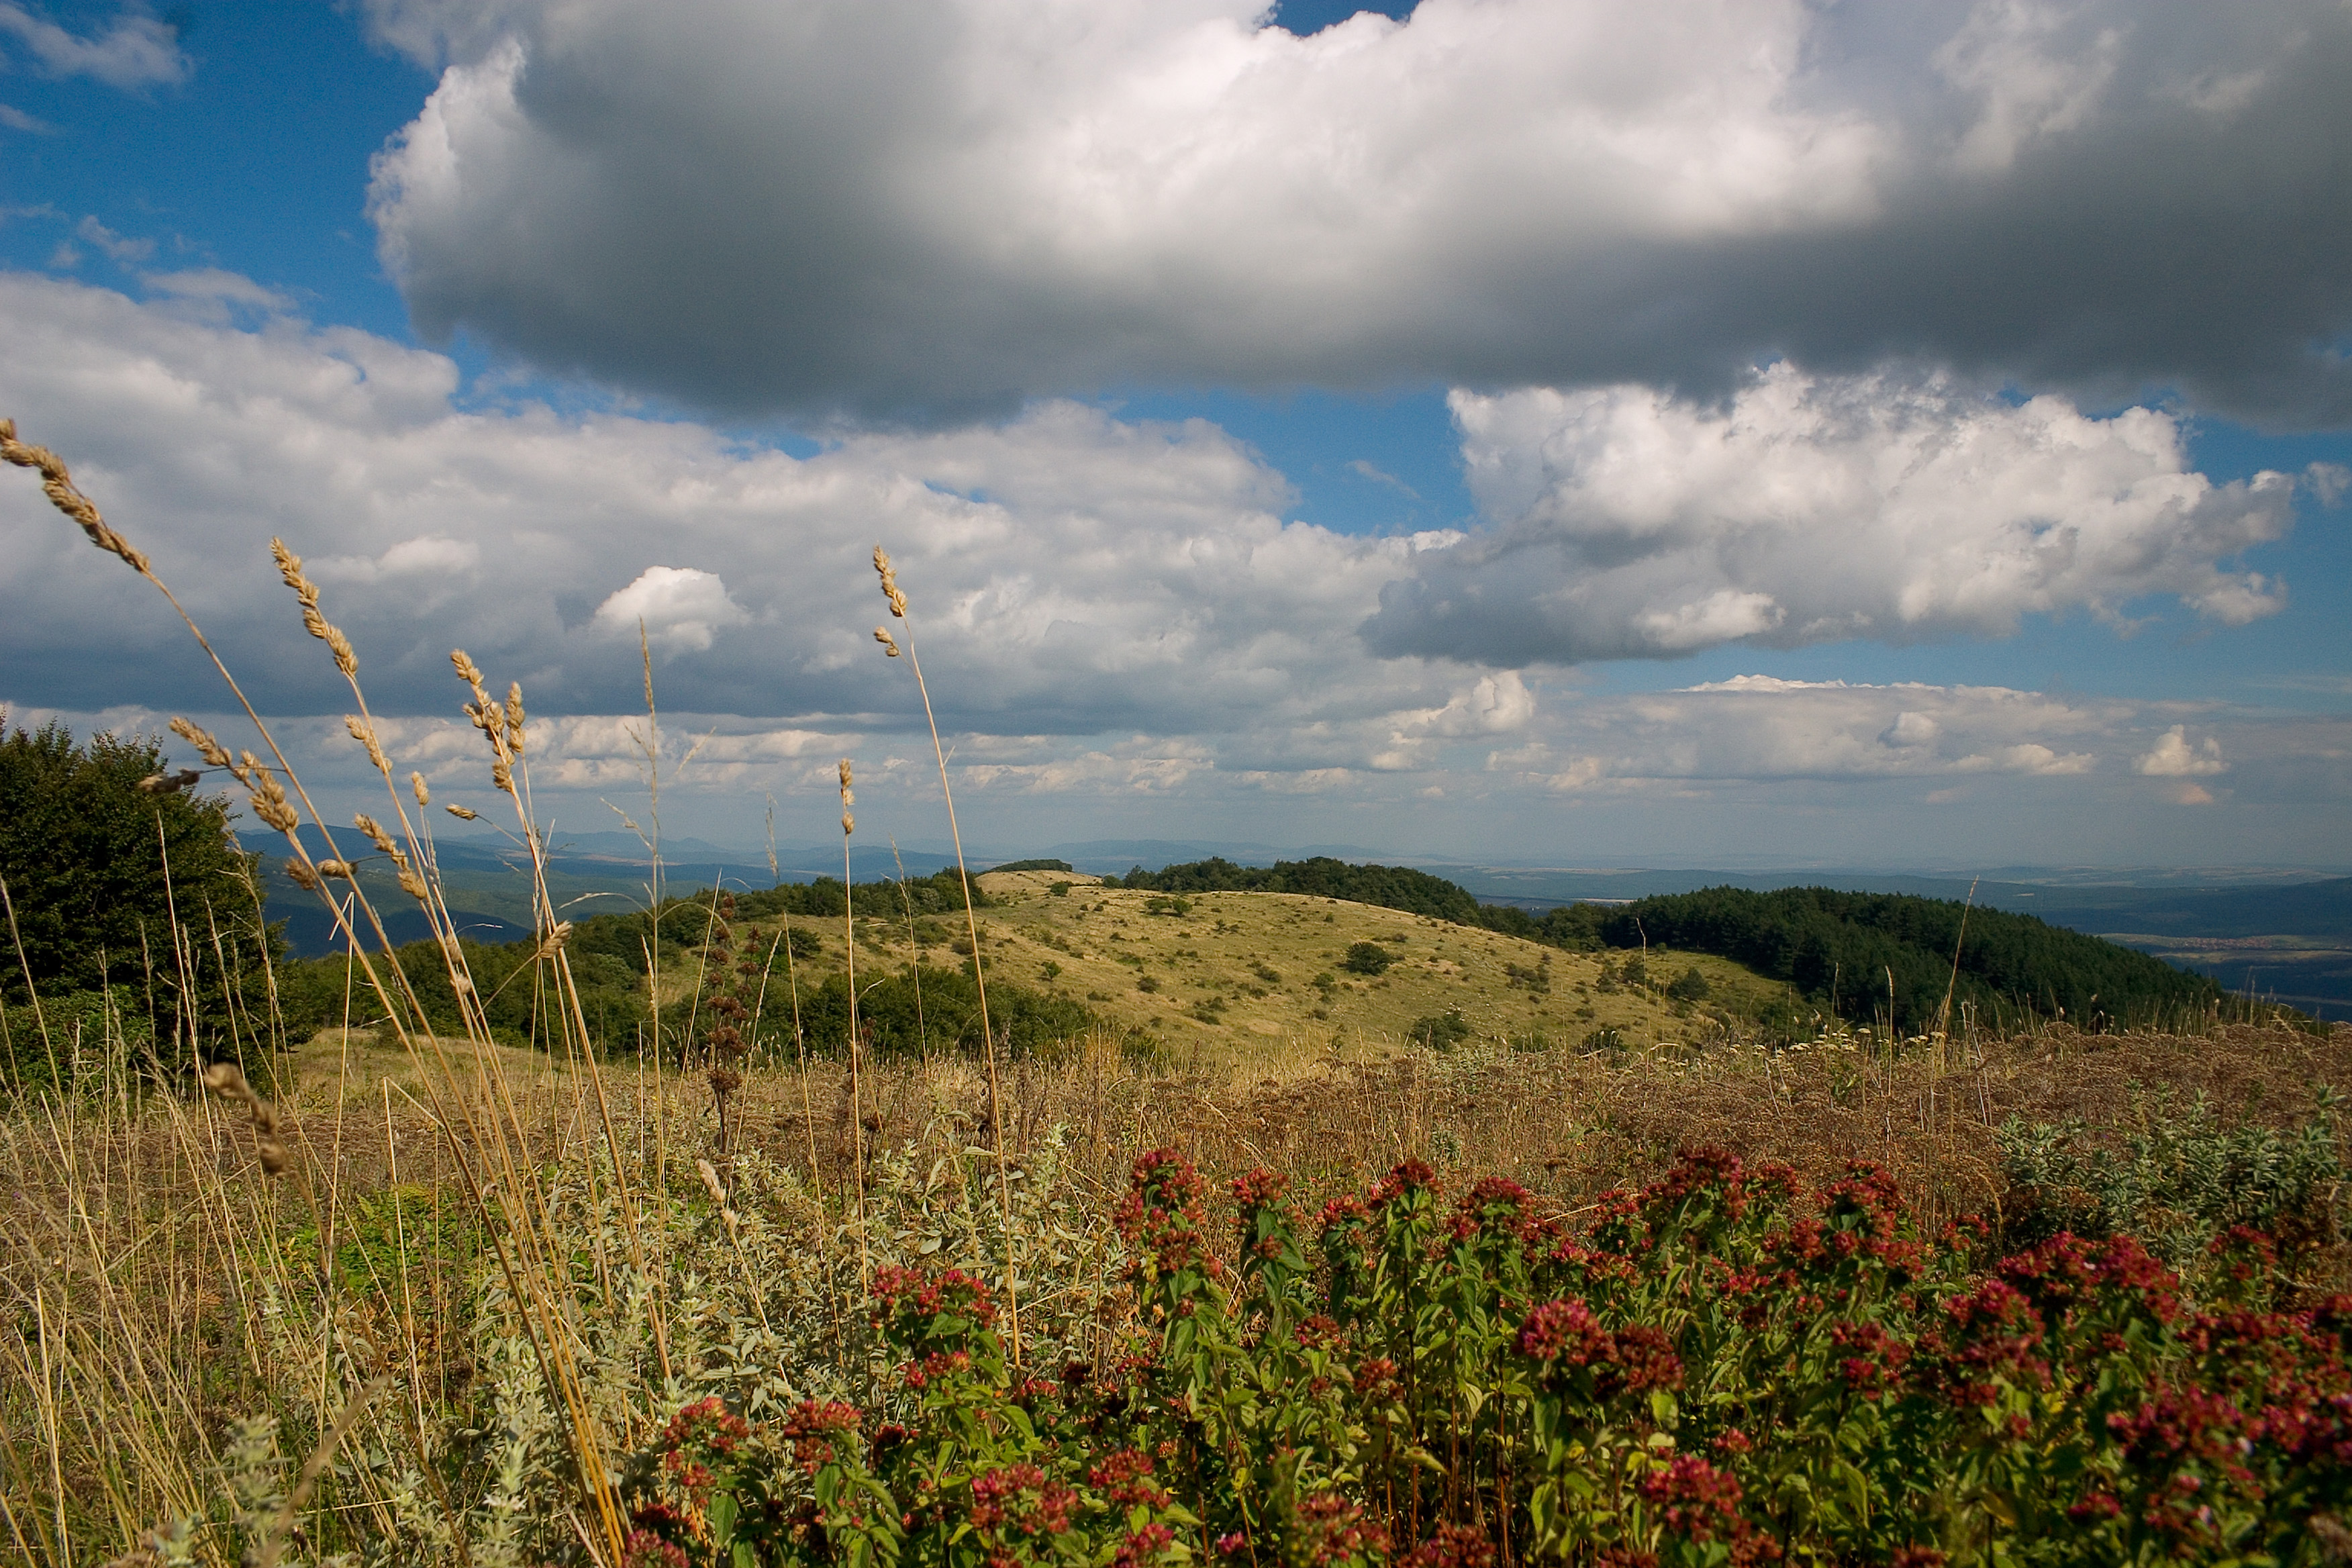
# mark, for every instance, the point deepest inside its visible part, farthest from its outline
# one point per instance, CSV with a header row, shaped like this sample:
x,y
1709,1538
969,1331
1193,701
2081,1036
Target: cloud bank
x,y
1630,524
942,207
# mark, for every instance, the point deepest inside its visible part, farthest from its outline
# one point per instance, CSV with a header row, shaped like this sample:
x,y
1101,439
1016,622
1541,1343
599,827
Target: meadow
x,y
1459,1255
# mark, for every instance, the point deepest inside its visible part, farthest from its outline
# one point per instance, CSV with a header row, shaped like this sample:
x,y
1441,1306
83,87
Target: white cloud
x,y
15,119
1631,522
116,247
679,608
136,50
1759,727
216,287
1109,611
944,205
2174,758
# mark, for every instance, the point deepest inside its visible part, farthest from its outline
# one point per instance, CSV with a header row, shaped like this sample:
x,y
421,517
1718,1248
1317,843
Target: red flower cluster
x,y
1123,1477
1018,1500
1626,1361
814,1427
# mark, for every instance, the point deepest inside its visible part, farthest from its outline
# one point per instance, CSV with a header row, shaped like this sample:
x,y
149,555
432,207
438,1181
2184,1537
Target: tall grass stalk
x,y
897,601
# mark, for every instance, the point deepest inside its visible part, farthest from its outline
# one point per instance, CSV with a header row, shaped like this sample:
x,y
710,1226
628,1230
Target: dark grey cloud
x,y
935,207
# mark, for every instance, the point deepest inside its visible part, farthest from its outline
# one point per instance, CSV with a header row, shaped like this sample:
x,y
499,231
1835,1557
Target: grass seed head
x,y
364,733
169,783
889,644
460,813
58,486
514,717
211,750
289,567
340,870
270,802
416,786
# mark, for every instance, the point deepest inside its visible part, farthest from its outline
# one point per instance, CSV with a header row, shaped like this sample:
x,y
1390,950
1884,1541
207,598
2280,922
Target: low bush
x,y
1367,958
1726,1369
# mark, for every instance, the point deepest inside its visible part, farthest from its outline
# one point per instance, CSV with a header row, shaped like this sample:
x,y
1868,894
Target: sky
x,y
1732,432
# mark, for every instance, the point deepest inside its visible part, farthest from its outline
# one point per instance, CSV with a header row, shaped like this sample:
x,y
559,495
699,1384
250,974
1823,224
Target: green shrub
x,y
1691,987
2182,1181
1367,958
1442,1032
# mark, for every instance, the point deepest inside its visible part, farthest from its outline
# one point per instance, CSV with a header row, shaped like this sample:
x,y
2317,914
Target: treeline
x,y
778,930
1388,886
1867,956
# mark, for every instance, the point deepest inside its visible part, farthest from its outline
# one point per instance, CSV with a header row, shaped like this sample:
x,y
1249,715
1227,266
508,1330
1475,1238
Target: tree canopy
x,y
112,888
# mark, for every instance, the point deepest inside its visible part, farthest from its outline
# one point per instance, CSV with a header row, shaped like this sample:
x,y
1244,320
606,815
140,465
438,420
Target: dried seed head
x,y
58,486
299,872
710,1174
169,783
514,717
502,775
227,1080
341,868
889,644
848,824
846,779
289,567
417,784
469,672
363,731
412,884
211,750
460,813
270,802
376,834
551,943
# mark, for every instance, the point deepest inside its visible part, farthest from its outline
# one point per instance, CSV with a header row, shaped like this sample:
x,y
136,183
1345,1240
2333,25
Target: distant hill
x,y
1871,955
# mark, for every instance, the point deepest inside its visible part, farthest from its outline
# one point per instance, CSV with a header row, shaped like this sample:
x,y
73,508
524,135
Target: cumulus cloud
x,y
678,608
1760,727
937,207
1631,522
136,50
1072,573
2174,758
1110,611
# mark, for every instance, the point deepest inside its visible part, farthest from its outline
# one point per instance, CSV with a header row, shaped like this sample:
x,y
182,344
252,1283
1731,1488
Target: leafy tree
x,y
143,892
1367,958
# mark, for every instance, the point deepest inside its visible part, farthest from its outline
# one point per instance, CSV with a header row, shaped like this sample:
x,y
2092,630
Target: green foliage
x,y
1367,958
1691,987
1846,950
516,991
1727,1370
1440,1032
2180,1181
84,853
1574,928
1156,905
947,1018
1039,865
1388,886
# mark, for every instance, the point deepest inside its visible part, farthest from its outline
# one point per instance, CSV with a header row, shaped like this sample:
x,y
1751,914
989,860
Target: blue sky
x,y
1509,429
